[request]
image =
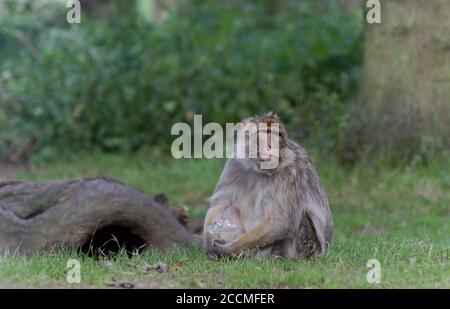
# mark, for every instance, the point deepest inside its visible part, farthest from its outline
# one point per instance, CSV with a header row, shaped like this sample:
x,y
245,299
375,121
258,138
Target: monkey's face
x,y
263,140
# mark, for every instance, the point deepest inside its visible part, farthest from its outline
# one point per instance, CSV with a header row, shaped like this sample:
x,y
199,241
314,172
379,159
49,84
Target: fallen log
x,y
90,213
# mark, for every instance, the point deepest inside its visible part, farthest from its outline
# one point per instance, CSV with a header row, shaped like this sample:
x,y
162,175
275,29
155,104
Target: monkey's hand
x,y
218,247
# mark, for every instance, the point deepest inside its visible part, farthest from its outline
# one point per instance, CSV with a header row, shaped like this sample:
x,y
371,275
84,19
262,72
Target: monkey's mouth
x,y
268,157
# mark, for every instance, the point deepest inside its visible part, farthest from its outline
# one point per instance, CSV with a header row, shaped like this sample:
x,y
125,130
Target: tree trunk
x,y
91,213
404,104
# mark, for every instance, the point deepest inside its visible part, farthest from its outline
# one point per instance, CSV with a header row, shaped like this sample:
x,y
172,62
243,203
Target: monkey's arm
x,y
265,232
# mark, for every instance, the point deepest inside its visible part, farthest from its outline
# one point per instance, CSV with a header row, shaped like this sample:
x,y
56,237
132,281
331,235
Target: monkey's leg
x,y
263,233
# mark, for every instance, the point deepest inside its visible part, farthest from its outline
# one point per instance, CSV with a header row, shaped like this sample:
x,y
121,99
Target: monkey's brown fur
x,y
283,211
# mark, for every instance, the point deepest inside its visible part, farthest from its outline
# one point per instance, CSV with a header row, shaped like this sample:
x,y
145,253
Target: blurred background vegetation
x,y
100,97
119,80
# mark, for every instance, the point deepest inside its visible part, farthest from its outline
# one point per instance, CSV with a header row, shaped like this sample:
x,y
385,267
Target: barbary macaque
x,y
280,210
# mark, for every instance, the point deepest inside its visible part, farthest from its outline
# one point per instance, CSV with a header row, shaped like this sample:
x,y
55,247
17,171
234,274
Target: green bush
x,y
121,83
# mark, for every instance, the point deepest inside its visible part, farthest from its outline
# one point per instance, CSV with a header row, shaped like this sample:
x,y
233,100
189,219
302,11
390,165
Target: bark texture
x,y
404,104
43,215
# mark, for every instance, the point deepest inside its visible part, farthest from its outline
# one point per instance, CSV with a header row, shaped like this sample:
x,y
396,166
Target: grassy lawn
x,y
399,216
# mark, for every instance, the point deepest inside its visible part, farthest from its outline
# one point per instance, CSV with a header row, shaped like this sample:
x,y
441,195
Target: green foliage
x,y
121,82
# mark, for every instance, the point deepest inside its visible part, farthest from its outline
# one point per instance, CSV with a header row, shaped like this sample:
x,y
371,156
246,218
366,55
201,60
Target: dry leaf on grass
x,y
120,284
159,267
176,266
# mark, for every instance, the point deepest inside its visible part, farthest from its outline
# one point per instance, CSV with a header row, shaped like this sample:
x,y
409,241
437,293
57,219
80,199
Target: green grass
x,y
399,216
